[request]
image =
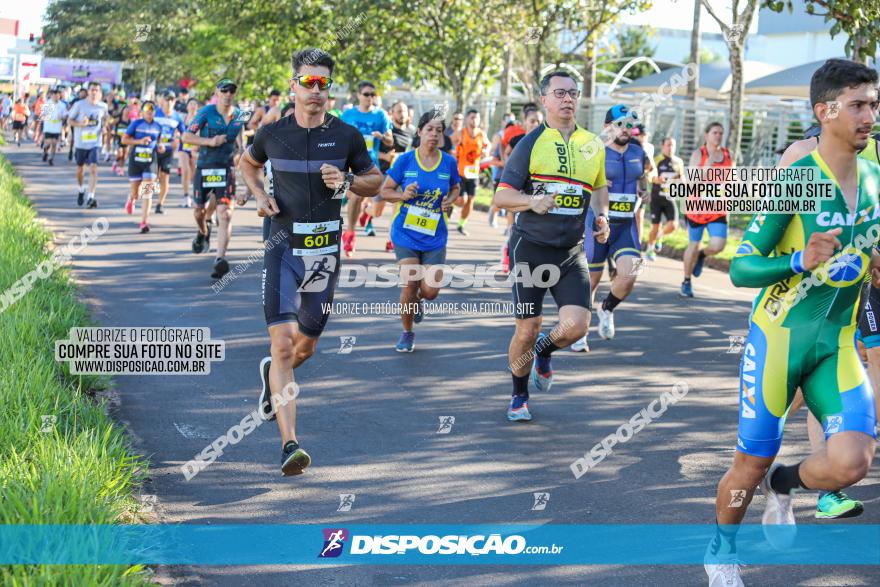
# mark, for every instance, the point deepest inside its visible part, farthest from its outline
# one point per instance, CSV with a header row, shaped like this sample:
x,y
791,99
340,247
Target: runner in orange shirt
x,y
20,114
471,146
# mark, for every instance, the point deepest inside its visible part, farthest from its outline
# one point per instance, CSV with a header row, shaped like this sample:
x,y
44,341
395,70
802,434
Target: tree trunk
x,y
689,133
503,104
737,86
588,88
858,43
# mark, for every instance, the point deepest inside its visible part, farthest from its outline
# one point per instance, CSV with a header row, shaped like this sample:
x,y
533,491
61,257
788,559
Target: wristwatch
x,y
349,178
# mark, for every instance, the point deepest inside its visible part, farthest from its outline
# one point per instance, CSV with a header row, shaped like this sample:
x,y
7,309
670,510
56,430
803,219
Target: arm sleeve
x,y
257,150
752,265
359,160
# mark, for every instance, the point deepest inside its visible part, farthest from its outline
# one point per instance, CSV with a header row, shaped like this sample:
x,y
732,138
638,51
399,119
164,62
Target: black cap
x,y
226,83
169,95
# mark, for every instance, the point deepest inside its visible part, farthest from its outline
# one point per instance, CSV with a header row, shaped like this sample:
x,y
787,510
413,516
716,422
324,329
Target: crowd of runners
x,y
570,198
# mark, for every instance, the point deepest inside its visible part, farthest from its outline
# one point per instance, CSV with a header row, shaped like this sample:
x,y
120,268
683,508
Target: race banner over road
x,y
82,70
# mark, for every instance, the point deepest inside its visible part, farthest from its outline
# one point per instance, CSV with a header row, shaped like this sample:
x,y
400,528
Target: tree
x,y
735,33
591,21
458,44
860,19
633,42
149,38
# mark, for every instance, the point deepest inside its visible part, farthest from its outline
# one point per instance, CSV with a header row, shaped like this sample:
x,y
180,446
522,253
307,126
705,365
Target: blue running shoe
x,y
542,372
407,342
686,290
519,409
698,267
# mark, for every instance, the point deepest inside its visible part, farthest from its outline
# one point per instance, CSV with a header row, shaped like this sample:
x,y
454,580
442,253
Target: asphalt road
x,y
370,418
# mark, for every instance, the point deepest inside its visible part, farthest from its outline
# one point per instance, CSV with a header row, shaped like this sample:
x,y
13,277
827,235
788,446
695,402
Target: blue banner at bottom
x,y
285,544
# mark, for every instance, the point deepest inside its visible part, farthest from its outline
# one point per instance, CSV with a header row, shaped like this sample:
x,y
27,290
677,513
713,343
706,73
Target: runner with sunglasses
x,y
315,157
375,126
217,130
627,169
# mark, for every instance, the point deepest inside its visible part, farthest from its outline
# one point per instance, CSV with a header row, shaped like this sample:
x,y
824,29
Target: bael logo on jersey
x,y
334,541
562,156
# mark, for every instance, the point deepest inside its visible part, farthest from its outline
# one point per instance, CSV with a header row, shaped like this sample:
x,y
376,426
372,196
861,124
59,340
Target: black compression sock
x,y
786,478
521,385
702,254
545,347
610,302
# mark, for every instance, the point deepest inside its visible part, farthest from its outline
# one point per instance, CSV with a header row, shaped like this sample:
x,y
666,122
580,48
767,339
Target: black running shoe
x,y
198,243
51,162
221,268
294,460
45,155
92,203
267,411
159,209
80,198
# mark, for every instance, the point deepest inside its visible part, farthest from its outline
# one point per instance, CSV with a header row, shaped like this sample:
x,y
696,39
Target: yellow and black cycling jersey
x,y
544,163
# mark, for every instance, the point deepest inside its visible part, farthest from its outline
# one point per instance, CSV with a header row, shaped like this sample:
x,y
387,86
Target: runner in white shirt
x,y
52,115
87,119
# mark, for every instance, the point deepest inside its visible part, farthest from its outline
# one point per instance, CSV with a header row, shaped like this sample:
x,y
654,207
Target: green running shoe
x,y
836,504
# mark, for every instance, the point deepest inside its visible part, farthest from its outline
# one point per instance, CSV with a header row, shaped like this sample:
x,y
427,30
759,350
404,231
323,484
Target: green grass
x,y
83,471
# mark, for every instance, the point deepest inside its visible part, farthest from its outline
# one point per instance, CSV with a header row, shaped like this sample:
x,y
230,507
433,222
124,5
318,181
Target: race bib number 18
x,y
421,220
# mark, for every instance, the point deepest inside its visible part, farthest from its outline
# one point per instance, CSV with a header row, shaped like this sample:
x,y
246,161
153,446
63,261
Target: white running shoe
x,y
778,520
723,569
606,323
581,345
726,575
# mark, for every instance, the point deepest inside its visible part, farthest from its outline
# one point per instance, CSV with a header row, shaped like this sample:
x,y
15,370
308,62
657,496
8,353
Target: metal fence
x,y
768,124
